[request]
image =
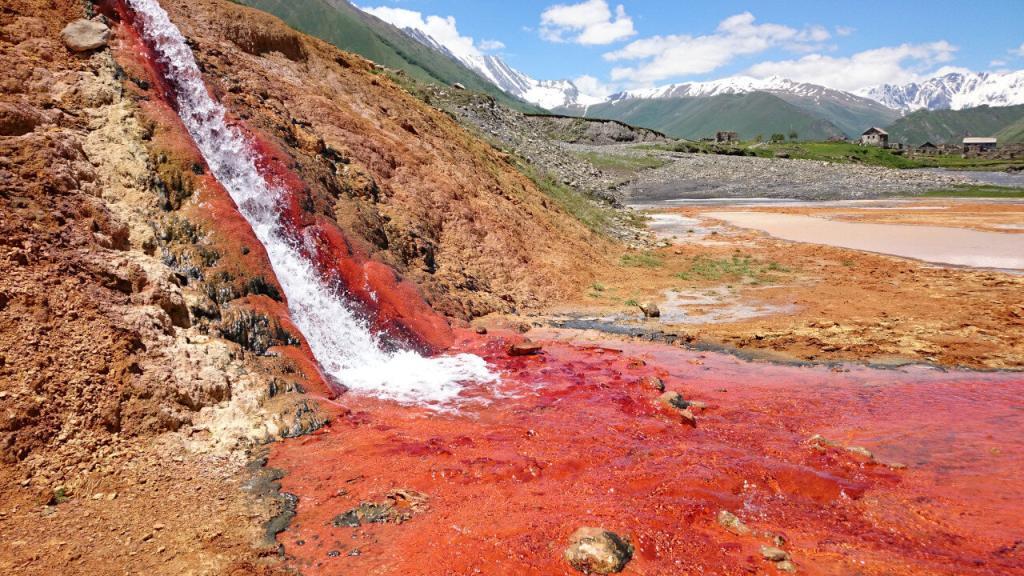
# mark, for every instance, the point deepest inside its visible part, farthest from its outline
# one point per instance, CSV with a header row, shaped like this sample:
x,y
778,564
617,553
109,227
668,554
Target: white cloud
x,y
888,65
441,28
590,23
997,63
1018,51
664,57
491,45
592,90
845,30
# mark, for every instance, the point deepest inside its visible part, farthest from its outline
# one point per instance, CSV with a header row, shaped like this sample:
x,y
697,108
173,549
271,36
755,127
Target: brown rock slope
x,y
144,353
440,206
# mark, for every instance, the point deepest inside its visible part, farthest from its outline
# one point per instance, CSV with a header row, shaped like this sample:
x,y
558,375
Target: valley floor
x,y
726,287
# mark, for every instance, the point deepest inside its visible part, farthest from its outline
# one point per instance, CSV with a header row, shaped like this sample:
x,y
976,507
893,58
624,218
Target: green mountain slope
x,y
950,126
752,114
1013,132
348,28
851,114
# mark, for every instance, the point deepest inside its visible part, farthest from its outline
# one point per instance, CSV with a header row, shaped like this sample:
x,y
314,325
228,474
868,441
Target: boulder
x,y
650,310
525,348
85,35
598,551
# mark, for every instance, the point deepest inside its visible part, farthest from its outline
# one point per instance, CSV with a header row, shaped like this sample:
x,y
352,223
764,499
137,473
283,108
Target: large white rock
x,y
84,35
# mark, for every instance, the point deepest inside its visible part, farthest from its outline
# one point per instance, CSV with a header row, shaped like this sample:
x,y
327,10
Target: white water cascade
x,y
341,340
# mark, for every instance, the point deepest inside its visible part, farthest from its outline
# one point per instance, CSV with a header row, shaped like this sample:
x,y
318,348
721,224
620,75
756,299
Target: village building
x,y
726,137
927,149
973,146
874,136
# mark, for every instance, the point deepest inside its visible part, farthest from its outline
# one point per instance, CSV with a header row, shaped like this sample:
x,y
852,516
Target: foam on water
x,y
341,340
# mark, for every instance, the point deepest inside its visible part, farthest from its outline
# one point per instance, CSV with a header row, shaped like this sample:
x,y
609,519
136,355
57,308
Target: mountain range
x,y
747,105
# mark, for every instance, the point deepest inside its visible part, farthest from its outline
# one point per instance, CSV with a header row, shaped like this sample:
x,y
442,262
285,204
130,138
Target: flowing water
x,y
341,340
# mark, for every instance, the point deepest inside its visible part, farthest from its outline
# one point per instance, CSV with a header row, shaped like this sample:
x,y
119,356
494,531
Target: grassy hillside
x,y
1013,132
950,126
850,114
351,29
750,115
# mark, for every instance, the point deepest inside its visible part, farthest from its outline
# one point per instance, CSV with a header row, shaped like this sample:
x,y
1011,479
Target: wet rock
x,y
786,566
675,402
85,35
650,310
773,554
598,551
673,399
481,330
860,451
398,506
653,383
732,523
525,348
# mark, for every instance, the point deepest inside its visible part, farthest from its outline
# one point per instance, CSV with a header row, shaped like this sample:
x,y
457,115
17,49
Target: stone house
x,y
927,149
726,137
874,136
974,146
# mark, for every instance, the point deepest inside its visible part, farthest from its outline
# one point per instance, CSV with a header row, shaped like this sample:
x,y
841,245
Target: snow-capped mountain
x,y
954,91
544,93
737,85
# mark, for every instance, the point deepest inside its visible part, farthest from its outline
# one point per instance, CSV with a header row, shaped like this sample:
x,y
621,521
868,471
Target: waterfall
x,y
341,340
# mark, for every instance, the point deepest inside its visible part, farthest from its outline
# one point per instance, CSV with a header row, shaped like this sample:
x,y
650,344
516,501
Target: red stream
x,y
581,442
574,439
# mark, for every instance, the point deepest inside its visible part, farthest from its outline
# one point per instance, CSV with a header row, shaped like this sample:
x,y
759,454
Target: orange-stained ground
x,y
576,440
822,303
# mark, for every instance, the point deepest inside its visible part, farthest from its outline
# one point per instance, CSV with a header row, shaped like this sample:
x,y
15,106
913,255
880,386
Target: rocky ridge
x,y
722,176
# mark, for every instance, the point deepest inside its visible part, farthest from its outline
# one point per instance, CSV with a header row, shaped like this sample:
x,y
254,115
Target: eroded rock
x,y
397,507
732,523
598,551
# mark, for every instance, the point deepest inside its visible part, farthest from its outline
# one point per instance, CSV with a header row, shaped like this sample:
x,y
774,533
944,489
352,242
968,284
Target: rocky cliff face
x,y
144,343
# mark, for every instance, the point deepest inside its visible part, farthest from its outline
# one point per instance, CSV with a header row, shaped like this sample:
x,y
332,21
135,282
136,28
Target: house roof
x,y
980,140
875,130
928,145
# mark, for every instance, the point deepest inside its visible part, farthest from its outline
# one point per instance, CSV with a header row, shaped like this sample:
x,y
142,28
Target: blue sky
x,y
638,43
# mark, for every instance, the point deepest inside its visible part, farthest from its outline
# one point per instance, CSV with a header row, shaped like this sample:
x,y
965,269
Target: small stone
x,y
786,566
773,554
598,551
674,399
158,526
732,523
85,35
653,383
112,496
334,554
650,310
481,330
525,348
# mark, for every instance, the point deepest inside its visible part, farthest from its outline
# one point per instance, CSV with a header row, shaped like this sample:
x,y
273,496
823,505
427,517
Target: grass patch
x,y
616,162
642,260
979,191
738,267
